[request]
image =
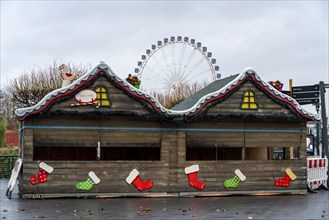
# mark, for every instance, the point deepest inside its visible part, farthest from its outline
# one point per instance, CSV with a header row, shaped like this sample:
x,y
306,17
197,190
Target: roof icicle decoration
x,y
102,68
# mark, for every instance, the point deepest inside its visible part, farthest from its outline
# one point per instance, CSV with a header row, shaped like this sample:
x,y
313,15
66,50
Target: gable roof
x,y
101,69
247,74
188,108
212,87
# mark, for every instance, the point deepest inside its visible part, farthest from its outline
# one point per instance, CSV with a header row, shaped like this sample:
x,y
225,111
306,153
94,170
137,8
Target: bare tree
x,y
8,108
1,102
178,94
30,87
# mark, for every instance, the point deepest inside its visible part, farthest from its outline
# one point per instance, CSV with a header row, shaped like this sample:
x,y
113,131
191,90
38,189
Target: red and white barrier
x,y
317,169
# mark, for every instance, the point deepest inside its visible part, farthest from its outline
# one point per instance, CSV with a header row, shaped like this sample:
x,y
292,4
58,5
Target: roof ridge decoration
x,y
22,113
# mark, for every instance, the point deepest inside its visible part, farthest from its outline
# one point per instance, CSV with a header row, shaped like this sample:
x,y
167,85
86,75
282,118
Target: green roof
x,y
212,87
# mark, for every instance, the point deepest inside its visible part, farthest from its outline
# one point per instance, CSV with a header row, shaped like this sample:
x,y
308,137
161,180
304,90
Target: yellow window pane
x,y
105,103
245,106
98,96
98,89
104,96
252,99
103,89
246,100
253,106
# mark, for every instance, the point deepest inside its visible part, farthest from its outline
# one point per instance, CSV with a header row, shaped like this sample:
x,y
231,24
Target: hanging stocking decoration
x,y
285,181
42,176
134,178
88,184
234,182
192,173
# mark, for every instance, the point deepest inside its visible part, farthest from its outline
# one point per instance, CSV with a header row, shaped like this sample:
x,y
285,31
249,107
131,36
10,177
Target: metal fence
x,y
7,163
317,172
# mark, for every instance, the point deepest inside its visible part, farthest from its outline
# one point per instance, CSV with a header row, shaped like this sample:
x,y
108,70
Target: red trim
x,y
214,99
140,97
90,78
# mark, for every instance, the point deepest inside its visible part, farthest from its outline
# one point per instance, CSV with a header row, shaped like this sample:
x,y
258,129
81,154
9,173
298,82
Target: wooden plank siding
x,y
168,173
260,176
119,101
266,106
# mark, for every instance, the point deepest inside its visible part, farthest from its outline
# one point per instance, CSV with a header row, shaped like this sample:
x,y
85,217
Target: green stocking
x,y
86,185
232,183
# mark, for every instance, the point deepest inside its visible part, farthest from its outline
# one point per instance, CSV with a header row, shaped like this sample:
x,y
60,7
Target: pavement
x,y
309,206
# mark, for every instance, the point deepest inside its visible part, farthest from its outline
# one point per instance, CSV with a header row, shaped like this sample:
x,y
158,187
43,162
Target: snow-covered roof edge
x,y
239,79
22,113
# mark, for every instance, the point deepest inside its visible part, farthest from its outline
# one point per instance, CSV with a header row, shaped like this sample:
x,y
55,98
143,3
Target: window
x,y
64,153
213,153
87,143
146,153
284,153
130,145
256,153
64,144
212,145
102,98
248,101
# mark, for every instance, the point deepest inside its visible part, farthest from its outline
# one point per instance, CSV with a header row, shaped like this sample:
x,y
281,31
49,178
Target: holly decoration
x,y
277,85
133,80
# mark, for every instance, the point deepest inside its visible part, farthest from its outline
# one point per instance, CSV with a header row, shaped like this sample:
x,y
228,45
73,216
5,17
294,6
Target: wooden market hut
x,y
103,124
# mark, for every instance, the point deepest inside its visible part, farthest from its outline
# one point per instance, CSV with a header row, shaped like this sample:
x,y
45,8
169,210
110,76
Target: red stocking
x,y
285,181
192,173
42,176
135,179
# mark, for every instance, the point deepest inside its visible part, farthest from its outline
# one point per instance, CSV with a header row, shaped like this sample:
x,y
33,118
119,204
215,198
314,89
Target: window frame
x,y
245,95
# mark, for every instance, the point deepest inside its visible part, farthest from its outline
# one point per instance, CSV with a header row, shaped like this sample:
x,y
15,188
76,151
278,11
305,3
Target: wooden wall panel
x,y
64,137
268,140
112,175
119,101
210,139
265,105
133,137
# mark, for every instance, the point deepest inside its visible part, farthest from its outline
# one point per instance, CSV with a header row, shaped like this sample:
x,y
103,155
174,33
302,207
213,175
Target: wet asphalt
x,y
310,206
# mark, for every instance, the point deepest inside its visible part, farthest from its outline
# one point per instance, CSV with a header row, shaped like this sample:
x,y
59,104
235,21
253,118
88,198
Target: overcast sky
x,y
281,40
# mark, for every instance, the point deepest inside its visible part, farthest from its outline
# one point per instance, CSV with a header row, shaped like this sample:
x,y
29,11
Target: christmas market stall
x,y
101,136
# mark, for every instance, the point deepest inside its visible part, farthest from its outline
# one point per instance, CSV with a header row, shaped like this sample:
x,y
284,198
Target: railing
x,y
7,163
317,172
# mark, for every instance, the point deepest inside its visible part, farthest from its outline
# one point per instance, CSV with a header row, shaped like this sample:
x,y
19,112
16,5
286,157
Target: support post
x,y
291,148
325,150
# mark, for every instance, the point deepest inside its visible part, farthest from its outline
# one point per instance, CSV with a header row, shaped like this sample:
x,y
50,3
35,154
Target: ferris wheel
x,y
176,62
